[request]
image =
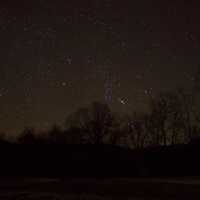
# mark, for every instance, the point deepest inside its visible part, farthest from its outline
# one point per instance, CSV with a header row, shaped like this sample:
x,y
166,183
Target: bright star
x,y
122,101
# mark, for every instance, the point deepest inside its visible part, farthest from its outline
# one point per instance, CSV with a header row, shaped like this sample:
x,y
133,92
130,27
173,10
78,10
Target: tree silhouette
x,y
187,104
94,122
158,119
135,127
28,136
117,132
172,118
56,135
175,119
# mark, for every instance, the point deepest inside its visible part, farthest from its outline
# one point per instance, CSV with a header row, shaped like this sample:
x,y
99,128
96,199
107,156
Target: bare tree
x,y
157,123
187,102
94,122
175,118
133,131
172,117
116,131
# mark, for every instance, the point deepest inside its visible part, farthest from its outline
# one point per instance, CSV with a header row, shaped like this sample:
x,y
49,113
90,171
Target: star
x,y
122,101
64,84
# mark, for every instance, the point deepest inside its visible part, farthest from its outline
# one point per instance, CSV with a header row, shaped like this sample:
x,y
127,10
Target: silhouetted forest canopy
x,y
95,141
173,118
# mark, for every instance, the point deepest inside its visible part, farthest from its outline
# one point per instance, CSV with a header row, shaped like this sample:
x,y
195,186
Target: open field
x,y
97,189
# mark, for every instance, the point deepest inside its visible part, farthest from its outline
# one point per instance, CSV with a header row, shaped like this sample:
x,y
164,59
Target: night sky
x,y
57,56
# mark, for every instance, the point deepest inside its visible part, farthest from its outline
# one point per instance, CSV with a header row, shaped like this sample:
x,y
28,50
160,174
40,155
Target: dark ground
x,y
169,189
99,172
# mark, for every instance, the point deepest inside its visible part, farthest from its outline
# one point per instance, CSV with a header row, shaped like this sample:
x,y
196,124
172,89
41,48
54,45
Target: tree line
x,y
173,118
